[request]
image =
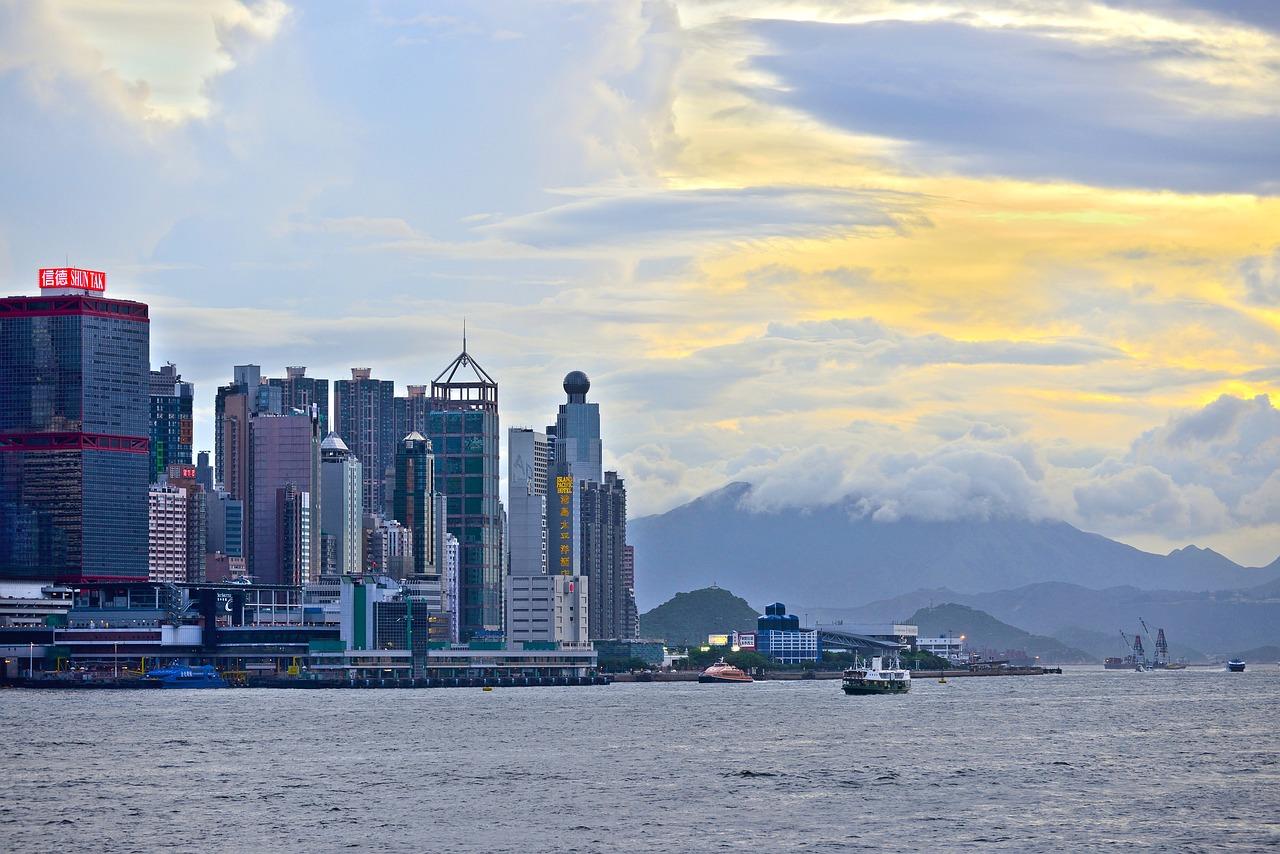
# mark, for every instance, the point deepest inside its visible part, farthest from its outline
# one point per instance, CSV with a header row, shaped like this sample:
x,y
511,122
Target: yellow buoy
x,y
487,688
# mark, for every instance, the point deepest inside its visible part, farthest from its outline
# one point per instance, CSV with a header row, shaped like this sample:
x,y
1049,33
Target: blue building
x,y
779,636
462,424
171,423
74,443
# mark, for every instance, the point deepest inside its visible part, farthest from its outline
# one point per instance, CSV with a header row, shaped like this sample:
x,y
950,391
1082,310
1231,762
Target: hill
x,y
983,631
687,618
836,555
1196,624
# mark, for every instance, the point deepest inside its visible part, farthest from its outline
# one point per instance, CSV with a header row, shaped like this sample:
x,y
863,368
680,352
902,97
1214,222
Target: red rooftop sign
x,y
72,277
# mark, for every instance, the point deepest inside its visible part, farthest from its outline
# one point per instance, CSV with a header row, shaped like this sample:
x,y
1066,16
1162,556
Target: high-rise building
x,y
284,451
604,539
578,448
547,608
411,412
388,546
74,425
413,503
171,424
299,391
449,581
226,525
342,487
184,477
631,628
167,533
462,424
364,419
527,467
575,453
204,471
298,562
244,397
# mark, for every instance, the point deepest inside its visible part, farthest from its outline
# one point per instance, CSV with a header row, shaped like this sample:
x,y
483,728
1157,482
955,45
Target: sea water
x,y
1090,759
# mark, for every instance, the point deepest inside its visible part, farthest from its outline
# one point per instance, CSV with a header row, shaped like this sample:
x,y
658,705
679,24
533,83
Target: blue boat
x,y
182,676
1236,665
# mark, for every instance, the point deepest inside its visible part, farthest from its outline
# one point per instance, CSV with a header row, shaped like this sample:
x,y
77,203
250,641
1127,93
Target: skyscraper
x,y
604,539
364,420
462,424
284,451
197,512
412,503
575,453
167,533
234,405
411,412
204,471
299,391
342,488
74,424
527,467
171,424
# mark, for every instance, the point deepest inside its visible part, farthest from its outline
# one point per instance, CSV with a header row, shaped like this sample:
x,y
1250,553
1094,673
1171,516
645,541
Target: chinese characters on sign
x,y
71,277
564,495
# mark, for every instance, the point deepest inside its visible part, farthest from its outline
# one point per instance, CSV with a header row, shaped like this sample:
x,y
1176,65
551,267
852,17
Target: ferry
x,y
182,676
1236,665
877,678
723,672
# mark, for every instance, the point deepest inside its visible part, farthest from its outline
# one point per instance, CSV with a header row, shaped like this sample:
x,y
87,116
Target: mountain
x,y
687,618
1195,624
835,555
983,631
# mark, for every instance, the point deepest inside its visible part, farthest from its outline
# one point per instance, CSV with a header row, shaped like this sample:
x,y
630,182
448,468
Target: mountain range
x,y
1196,624
835,556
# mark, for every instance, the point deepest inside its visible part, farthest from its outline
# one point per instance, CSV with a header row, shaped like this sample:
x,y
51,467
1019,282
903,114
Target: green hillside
x,y
687,618
983,631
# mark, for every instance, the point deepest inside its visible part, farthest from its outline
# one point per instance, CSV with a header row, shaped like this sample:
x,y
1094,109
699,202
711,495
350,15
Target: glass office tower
x,y
74,450
462,424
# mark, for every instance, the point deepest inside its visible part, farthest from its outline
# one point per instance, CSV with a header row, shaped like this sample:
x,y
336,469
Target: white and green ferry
x,y
877,678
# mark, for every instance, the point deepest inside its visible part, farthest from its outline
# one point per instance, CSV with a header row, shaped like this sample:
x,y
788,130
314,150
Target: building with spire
x,y
462,424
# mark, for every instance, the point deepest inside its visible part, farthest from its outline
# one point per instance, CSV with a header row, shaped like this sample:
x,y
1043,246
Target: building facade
x,y
410,412
167,534
299,391
604,538
364,409
171,420
547,608
341,522
413,503
528,464
780,636
284,451
74,438
462,424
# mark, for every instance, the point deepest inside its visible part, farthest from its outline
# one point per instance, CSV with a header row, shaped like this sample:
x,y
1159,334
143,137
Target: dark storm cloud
x,y
1015,103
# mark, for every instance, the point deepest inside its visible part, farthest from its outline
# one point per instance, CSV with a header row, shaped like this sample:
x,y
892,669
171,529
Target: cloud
x,y
1261,277
1032,104
679,220
887,347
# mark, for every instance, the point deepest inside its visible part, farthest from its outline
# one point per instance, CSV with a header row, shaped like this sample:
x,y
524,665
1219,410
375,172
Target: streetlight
x,y
115,658
31,660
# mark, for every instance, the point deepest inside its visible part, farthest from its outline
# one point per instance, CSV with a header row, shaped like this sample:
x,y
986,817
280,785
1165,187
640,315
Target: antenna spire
x,y
464,334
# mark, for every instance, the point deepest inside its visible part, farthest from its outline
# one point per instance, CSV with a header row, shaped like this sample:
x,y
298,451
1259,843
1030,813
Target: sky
x,y
951,260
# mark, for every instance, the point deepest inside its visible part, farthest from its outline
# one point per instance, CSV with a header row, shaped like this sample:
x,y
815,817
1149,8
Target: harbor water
x,y
1091,759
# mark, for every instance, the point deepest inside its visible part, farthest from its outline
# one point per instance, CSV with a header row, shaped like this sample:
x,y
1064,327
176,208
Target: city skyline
x,y
698,204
